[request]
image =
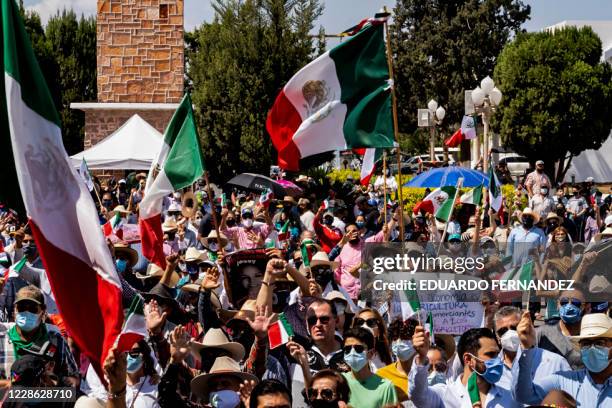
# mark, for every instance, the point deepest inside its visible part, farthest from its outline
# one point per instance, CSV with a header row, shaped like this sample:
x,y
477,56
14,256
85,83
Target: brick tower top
x,y
140,51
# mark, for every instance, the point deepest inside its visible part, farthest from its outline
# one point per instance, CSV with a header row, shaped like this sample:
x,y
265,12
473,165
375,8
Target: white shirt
x,y
142,394
455,395
389,181
307,219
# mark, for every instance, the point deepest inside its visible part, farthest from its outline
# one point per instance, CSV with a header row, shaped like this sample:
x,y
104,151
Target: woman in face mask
x,y
372,321
142,379
400,334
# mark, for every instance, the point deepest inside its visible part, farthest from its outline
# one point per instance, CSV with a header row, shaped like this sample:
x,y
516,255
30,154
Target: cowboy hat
x,y
161,293
606,233
169,225
594,325
530,212
213,235
216,338
130,253
289,199
321,258
223,366
193,255
301,179
599,284
247,311
552,215
154,271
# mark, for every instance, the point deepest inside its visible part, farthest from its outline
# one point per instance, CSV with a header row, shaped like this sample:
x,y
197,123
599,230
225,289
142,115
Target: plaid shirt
x,y
65,365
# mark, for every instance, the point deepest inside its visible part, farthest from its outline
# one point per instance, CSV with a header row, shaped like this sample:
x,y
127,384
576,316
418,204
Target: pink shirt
x,y
348,258
240,233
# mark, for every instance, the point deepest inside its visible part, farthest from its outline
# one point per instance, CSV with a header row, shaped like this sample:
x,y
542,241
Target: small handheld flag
x,y
280,332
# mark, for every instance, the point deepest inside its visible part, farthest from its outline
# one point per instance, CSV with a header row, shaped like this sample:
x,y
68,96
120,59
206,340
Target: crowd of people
x,y
210,341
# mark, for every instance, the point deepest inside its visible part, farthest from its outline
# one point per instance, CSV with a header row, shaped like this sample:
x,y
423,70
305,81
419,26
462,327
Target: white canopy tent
x,y
592,163
133,146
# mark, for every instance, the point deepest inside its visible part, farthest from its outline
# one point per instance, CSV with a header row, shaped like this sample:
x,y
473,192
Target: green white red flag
x,y
369,160
134,328
473,196
339,101
113,226
62,214
495,194
280,332
437,199
178,165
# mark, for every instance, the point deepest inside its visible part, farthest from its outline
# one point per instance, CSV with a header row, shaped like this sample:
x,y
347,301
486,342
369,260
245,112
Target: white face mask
x,y
510,341
247,222
213,246
224,399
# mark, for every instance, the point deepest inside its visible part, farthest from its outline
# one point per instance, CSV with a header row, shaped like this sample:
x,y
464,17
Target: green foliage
x,y
237,64
557,96
340,176
443,47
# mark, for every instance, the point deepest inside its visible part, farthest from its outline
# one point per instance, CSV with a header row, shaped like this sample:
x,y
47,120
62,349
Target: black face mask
x,y
171,235
354,241
29,250
230,222
320,403
527,222
280,299
107,203
323,277
561,213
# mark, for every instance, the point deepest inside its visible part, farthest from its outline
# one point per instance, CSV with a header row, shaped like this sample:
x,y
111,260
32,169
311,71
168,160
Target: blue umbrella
x,y
448,176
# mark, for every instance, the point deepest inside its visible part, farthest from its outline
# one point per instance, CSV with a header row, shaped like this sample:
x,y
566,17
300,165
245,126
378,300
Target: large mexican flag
x,y
61,212
178,165
339,101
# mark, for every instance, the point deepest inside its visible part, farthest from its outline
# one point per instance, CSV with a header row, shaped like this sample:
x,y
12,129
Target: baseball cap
x,y
454,237
27,370
540,162
31,293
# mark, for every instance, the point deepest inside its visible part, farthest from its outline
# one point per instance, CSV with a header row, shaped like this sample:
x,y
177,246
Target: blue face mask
x,y
403,349
193,269
570,313
27,321
595,358
436,378
359,224
356,360
133,364
494,368
121,265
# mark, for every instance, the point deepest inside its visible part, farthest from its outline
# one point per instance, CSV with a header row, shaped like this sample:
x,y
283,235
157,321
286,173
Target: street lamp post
x,y
431,117
484,99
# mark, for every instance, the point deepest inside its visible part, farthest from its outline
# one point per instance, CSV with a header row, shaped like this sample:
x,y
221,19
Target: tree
x,y
72,43
557,96
236,66
443,47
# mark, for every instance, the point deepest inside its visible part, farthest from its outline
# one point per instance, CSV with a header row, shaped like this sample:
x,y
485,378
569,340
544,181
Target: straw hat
x,y
446,342
594,325
247,311
552,215
154,271
321,258
193,255
216,338
124,249
213,235
530,212
223,366
289,199
169,225
606,233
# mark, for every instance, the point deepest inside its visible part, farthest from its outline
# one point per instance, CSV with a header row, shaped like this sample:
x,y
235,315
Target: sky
x,y
341,14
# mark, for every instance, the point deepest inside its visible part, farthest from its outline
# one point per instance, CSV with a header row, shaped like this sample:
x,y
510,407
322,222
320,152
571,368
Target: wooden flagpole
x,y
395,130
385,187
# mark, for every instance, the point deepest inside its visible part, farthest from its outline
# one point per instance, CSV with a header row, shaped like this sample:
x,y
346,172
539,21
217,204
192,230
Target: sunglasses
x,y
503,330
564,301
371,323
326,394
26,306
27,241
357,347
312,320
321,270
135,353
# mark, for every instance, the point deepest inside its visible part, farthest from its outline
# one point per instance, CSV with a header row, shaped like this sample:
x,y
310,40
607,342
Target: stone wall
x,y
100,123
140,51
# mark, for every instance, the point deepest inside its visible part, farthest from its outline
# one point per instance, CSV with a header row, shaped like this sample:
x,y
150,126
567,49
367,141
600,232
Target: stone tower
x,y
140,65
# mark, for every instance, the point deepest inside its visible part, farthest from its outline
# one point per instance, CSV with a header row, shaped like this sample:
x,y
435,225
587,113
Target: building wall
x,y
140,51
101,123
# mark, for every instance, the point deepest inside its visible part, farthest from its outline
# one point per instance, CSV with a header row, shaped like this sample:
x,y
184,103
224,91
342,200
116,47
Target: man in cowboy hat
x,y
213,244
171,242
590,386
125,259
215,344
306,214
220,387
526,238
